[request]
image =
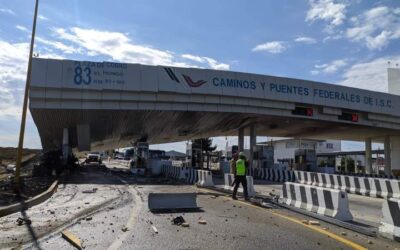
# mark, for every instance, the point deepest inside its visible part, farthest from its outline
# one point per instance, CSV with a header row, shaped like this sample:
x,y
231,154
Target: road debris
x,y
203,222
90,191
178,220
71,238
225,216
22,221
314,222
89,218
305,222
343,233
185,224
154,229
124,229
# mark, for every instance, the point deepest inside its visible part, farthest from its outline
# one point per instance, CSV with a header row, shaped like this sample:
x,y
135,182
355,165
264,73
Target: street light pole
x,y
25,106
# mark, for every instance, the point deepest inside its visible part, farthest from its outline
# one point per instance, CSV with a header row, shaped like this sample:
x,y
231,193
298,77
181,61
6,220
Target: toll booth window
x,y
304,111
351,117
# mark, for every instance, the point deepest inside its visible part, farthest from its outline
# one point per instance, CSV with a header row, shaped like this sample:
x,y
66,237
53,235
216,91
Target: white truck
x,y
93,157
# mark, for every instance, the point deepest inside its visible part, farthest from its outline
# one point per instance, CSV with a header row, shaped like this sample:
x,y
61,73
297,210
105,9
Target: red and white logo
x,y
188,79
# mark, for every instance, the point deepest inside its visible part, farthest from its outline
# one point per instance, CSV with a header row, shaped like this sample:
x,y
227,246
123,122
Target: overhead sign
x,y
136,77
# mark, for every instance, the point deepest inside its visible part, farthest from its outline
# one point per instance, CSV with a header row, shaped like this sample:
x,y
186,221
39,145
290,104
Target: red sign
x,y
309,112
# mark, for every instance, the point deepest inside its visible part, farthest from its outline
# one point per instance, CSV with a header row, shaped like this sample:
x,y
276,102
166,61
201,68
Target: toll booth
x,y
263,156
305,160
194,155
231,151
139,164
129,153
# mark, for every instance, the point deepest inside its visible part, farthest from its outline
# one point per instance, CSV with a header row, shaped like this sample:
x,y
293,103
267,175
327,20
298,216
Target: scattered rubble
x,y
178,220
22,221
90,191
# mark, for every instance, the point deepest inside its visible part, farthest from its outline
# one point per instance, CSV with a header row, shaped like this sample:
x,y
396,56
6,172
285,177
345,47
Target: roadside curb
x,y
24,205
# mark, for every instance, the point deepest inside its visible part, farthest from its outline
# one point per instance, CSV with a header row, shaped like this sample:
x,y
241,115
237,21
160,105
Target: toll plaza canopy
x,y
108,104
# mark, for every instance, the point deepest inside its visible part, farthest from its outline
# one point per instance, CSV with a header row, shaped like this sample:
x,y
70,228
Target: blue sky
x,y
346,42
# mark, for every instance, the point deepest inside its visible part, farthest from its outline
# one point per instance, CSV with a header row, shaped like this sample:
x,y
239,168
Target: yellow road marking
x,y
347,242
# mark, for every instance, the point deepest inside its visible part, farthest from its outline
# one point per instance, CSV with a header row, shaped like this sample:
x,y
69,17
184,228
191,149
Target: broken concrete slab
x,y
172,201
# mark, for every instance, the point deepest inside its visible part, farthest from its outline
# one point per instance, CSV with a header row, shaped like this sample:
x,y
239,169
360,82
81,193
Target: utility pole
x,y
25,106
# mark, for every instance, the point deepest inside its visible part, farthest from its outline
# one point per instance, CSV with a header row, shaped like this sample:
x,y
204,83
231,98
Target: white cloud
x,y
119,47
327,10
22,28
333,37
41,17
58,45
371,75
376,27
212,63
13,65
305,39
198,59
7,11
273,47
329,68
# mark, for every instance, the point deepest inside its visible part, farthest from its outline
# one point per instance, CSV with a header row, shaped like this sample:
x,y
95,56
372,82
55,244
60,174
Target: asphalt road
x,y
116,216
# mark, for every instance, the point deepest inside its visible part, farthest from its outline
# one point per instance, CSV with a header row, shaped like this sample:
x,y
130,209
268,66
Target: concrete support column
x,y
395,154
65,145
253,139
83,134
368,156
241,139
388,168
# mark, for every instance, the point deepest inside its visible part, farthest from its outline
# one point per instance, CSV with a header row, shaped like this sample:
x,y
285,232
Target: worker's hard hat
x,y
241,154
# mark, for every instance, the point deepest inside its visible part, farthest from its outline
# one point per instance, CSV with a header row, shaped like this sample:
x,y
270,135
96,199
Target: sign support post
x,y
25,106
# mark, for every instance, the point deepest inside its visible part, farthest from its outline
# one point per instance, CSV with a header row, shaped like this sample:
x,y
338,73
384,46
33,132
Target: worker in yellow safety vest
x,y
240,176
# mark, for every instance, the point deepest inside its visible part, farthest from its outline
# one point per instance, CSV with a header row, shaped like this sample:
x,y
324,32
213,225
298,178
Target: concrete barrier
x,y
367,186
192,176
171,171
390,224
304,177
327,202
229,178
205,178
274,174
